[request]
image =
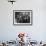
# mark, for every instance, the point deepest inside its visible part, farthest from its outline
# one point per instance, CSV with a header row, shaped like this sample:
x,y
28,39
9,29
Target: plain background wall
x,y
38,29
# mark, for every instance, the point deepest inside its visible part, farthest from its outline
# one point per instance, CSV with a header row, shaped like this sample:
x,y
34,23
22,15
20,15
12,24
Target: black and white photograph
x,y
22,17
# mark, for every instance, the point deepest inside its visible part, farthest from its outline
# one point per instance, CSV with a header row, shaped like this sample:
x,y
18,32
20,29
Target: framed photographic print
x,y
22,17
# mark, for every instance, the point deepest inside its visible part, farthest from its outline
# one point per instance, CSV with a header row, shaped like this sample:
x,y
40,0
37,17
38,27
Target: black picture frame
x,y
19,21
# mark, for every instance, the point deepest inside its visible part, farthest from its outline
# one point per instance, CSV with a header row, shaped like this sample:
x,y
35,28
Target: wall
x,y
38,30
